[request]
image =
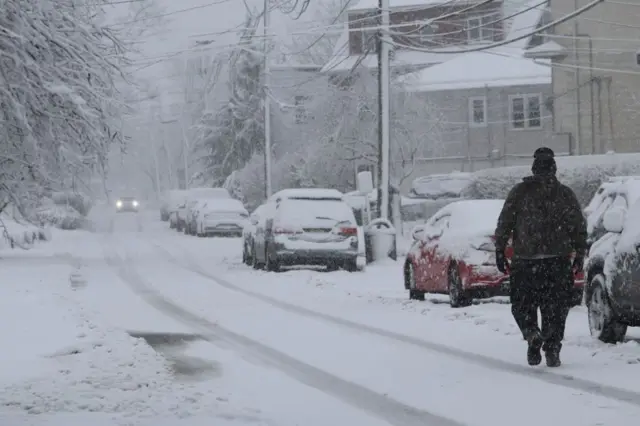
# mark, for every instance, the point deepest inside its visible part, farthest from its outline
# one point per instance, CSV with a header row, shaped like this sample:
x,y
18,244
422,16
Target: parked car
x,y
169,200
185,215
612,294
454,254
249,232
127,204
178,203
307,227
627,187
220,217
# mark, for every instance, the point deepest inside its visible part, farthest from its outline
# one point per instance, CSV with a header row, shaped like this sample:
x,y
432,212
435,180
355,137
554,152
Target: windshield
x,y
327,212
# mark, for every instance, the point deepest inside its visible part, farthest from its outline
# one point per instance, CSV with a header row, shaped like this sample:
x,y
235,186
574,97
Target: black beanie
x,y
544,162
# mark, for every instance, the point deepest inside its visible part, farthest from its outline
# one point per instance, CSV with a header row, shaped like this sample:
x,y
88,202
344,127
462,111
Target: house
x,y
296,105
490,104
596,75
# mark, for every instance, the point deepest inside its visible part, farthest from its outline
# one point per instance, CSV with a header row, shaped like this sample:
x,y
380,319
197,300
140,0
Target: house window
x,y
301,110
369,41
478,111
481,28
638,58
526,111
426,33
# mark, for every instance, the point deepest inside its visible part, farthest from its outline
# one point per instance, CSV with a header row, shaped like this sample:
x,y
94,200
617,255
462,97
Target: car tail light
x,y
349,231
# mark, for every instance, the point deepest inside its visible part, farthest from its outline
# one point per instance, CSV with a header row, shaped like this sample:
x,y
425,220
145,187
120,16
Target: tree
x,y
313,47
236,131
58,100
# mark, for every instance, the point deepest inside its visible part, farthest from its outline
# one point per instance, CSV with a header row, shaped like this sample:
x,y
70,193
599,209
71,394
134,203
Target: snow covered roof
x,y
525,22
491,68
549,49
373,4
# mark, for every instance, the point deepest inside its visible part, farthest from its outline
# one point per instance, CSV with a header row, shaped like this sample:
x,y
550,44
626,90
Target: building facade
x,y
596,75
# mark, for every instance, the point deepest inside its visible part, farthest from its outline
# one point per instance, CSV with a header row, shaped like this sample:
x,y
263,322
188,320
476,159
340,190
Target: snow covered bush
x,y
583,174
79,202
60,216
22,235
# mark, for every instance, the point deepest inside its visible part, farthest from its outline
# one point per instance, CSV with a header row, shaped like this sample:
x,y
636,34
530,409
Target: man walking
x,y
545,222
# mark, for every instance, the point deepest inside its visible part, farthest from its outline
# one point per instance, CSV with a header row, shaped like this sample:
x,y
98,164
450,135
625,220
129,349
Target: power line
x,y
561,20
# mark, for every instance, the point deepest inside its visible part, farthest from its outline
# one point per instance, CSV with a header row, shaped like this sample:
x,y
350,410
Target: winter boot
x,y
553,357
535,344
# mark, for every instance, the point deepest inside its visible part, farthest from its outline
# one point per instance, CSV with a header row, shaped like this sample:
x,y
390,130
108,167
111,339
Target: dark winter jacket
x,y
544,218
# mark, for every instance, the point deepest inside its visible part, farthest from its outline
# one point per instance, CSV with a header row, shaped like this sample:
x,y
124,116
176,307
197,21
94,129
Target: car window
x,y
620,201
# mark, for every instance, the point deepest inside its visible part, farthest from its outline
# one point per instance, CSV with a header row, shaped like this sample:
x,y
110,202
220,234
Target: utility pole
x,y
576,58
383,110
267,103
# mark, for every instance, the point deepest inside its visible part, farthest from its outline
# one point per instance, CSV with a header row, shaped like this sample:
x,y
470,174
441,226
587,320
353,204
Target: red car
x,y
454,254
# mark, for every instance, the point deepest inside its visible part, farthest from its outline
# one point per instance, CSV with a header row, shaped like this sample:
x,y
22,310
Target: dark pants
x,y
546,284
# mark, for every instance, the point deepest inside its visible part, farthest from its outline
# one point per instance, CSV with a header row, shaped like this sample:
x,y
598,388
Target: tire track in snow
x,y
612,392
394,412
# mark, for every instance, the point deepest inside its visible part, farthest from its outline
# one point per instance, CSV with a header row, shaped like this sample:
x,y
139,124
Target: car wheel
x,y
603,324
410,282
254,259
457,296
351,265
272,265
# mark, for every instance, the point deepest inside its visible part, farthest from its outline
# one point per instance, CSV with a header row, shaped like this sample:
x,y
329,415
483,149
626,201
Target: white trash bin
x,y
381,236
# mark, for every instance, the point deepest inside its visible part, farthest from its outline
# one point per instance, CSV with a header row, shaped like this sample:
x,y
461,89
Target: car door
x,y
431,264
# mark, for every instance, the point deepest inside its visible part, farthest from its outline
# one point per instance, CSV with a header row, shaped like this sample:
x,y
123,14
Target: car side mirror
x,y
254,220
613,220
418,233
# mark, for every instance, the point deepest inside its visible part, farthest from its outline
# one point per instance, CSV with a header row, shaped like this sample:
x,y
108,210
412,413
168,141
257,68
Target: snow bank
x,y
583,174
20,235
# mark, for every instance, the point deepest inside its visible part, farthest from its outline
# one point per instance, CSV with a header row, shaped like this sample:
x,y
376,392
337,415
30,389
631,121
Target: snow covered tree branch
x,y
58,96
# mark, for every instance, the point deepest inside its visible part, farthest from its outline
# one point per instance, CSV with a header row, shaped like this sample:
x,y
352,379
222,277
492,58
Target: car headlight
x,y
135,203
119,204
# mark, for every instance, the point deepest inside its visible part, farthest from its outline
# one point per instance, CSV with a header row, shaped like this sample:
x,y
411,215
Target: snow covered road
x,y
309,347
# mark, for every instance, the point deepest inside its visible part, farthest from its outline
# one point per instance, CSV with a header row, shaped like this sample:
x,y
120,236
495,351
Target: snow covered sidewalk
x,y
59,365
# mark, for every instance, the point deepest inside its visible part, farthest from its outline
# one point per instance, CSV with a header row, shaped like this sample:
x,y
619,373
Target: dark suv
x,y
612,293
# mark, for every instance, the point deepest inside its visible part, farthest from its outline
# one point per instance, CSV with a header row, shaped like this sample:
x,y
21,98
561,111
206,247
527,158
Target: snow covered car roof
x,y
470,217
308,193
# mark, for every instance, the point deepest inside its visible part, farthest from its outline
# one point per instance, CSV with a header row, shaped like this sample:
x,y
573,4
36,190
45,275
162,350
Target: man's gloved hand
x,y
501,262
578,263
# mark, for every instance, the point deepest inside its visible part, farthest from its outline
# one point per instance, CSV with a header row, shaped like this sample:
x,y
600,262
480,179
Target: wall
x,y
447,31
609,119
467,148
